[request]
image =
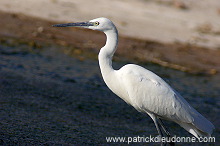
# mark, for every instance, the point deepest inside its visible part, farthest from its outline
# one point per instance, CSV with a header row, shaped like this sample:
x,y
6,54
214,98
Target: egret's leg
x,y
159,130
154,118
158,127
163,127
166,131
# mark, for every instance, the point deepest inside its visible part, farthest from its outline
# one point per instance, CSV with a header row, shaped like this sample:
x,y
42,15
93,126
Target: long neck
x,y
106,53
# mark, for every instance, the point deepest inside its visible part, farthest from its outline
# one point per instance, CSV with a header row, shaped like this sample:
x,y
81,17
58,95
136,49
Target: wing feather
x,y
149,93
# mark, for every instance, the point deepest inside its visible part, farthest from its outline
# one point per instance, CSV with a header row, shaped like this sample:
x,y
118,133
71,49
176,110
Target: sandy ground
x,y
188,21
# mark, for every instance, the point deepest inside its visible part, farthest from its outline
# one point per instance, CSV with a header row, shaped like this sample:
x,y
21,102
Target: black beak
x,y
78,24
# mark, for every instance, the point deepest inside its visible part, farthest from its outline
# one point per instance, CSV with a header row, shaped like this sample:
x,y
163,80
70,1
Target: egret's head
x,y
101,24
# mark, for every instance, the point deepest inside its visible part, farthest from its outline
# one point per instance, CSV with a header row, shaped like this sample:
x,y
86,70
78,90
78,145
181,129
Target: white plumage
x,y
143,89
148,93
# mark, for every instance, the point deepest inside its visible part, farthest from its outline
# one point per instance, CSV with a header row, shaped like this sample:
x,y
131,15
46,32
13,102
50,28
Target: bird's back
x,y
148,93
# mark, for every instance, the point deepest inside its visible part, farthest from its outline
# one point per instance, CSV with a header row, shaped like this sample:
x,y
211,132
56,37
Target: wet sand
x,y
52,92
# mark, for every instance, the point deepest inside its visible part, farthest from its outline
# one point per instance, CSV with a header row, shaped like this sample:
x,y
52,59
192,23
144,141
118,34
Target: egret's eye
x,y
96,23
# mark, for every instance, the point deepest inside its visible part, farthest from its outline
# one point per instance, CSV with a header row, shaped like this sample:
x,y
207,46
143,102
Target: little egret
x,y
143,89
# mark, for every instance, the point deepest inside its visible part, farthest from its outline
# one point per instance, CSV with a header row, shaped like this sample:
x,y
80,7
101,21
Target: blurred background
x,y
51,89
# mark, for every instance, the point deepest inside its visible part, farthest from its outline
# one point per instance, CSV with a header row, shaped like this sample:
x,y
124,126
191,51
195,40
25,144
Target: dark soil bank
x,y
48,98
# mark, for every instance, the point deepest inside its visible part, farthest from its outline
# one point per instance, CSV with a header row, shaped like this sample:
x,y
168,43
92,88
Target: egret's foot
x,y
161,143
165,143
172,143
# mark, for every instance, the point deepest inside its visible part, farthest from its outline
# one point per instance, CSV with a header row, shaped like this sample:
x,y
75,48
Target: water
x,y
48,97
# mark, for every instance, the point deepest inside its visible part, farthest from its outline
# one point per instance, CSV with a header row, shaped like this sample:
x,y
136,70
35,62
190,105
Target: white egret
x,y
143,89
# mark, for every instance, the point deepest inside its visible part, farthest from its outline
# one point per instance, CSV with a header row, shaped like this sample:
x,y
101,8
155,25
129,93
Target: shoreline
x,y
86,43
